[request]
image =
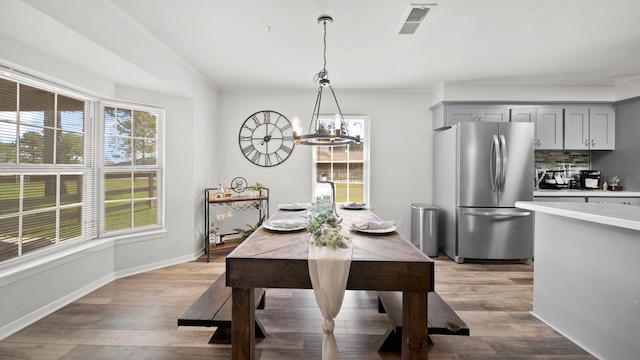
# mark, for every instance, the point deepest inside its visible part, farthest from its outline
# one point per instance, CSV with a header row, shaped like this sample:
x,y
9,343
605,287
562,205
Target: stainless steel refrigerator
x,y
480,170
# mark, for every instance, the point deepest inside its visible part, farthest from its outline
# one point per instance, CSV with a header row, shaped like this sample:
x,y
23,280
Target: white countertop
x,y
584,193
620,215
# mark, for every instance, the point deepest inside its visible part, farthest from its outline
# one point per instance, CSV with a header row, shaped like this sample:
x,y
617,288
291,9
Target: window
x,y
49,159
43,168
130,170
346,166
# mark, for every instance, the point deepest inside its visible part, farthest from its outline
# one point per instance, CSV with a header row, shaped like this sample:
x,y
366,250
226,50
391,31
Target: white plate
x,y
269,226
352,206
376,231
293,207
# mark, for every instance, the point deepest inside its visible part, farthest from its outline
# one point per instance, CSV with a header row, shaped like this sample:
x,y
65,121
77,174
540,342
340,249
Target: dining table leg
x,y
243,340
414,325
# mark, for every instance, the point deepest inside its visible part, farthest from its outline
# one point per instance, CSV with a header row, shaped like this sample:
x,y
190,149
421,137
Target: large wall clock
x,y
266,138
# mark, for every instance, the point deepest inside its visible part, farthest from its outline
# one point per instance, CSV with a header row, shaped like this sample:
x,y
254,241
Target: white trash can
x,y
424,228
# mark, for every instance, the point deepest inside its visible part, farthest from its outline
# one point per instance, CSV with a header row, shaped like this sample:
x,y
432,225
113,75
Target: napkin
x,y
295,206
352,205
372,225
286,224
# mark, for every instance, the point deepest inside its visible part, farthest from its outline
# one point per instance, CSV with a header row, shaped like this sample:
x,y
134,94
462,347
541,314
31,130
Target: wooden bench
x,y
213,308
441,319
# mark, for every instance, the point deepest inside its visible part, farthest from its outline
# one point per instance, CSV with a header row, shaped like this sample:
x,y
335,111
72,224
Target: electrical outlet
x,y
399,224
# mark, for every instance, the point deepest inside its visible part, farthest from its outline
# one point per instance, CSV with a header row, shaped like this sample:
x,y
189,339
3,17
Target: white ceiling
x,y
277,44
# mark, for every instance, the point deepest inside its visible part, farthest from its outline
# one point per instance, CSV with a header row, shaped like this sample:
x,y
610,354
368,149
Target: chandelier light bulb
x,y
337,124
297,127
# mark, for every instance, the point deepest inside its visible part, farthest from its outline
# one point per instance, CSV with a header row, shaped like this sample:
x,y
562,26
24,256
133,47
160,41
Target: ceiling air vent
x,y
413,18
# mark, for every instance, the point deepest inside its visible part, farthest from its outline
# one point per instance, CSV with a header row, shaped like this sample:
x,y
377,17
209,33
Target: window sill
x,y
37,262
139,236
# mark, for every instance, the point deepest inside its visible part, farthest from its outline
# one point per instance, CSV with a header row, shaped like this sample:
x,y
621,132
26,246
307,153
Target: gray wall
x,y
400,153
624,161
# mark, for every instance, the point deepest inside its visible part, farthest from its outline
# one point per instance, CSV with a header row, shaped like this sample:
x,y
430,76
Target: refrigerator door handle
x,y
494,163
503,166
495,214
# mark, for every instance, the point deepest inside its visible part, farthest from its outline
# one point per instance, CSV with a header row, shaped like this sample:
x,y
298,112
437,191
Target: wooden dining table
x,y
381,262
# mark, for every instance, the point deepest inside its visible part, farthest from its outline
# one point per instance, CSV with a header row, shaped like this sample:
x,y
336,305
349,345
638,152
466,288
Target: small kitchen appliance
x,y
590,179
554,179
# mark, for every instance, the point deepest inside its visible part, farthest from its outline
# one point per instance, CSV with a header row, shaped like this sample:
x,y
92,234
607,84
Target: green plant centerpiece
x,y
326,230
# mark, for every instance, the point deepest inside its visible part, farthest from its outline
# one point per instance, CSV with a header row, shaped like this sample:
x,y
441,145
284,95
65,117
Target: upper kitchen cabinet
x,y
494,114
589,128
549,125
524,114
447,115
549,128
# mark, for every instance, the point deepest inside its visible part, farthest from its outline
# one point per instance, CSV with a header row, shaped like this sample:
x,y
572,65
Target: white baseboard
x,y
153,266
52,307
584,347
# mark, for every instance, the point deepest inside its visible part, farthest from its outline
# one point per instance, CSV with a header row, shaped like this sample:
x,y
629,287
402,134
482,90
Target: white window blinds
x,y
131,166
72,169
45,173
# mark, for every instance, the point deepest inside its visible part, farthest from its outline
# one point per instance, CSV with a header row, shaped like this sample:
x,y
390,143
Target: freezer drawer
x,y
494,233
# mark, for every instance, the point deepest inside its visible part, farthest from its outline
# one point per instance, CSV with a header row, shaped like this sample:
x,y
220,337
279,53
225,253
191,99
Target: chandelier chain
x,y
323,74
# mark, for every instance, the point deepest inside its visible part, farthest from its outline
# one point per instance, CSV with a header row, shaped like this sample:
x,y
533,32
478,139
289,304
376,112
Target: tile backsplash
x,y
548,159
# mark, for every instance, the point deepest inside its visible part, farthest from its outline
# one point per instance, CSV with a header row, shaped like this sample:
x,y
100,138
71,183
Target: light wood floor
x,y
135,318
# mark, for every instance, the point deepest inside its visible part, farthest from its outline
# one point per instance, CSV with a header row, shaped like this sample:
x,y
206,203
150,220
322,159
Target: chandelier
x,y
333,133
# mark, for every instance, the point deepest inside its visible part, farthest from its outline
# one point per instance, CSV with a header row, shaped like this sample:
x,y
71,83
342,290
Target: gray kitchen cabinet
x,y
579,127
523,113
592,199
549,125
560,198
470,113
615,200
602,128
549,128
494,114
589,128
447,115
576,136
461,113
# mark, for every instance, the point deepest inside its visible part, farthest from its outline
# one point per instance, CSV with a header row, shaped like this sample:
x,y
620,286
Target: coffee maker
x,y
590,179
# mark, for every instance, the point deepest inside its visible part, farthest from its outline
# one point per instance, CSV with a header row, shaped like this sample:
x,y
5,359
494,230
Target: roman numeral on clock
x,y
247,150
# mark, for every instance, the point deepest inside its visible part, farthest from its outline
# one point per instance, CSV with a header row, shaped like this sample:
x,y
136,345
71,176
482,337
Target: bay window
x,y
58,183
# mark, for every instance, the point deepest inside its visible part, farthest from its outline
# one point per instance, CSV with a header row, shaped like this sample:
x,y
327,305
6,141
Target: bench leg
x,y
263,300
381,309
222,335
260,331
392,341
